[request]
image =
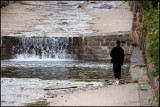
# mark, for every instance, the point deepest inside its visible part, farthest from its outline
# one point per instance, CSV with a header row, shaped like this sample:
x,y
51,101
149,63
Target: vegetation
x,y
150,10
151,25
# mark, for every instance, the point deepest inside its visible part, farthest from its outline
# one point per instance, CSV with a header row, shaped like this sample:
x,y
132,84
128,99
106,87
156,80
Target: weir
x,y
93,47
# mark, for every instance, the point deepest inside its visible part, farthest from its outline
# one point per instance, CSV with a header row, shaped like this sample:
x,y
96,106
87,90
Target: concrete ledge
x,y
138,72
137,66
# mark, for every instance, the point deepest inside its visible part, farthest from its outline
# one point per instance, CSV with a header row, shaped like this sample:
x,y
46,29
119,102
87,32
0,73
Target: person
x,y
117,54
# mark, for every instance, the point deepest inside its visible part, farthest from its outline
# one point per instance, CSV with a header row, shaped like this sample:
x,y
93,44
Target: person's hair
x,y
118,42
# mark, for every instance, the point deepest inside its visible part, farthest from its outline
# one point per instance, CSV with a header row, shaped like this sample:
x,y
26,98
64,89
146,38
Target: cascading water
x,y
54,40
43,48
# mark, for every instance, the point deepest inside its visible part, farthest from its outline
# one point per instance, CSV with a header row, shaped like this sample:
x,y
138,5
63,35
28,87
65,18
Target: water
x,y
43,48
60,70
44,59
66,21
21,78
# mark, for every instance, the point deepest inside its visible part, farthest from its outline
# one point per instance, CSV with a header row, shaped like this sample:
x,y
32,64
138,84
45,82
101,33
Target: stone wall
x,y
137,24
138,72
88,47
6,47
139,37
99,46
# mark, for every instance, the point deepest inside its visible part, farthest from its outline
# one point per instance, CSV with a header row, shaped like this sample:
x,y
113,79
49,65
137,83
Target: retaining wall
x,y
89,47
99,47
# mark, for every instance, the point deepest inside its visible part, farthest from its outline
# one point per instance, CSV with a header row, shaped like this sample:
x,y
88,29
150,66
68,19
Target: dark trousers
x,y
117,71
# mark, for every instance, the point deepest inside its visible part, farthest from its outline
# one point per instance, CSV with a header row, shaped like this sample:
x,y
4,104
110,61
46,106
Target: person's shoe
x,y
115,83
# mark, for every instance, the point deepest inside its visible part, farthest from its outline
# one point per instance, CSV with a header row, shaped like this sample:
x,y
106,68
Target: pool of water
x,y
60,70
33,82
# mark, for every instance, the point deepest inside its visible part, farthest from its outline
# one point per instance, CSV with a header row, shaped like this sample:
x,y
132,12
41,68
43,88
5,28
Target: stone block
x,y
123,41
97,51
140,15
134,44
127,35
105,43
128,40
108,51
96,47
128,43
130,50
94,43
133,27
104,47
134,24
120,36
99,39
104,54
110,47
90,59
112,43
94,38
84,43
87,55
134,19
81,51
113,35
115,39
97,56
89,51
108,39
122,44
137,72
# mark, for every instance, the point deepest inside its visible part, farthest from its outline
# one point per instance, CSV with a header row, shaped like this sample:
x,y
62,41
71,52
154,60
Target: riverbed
x,y
28,78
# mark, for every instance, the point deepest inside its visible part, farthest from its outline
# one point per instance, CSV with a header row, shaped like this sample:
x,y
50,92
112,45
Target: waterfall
x,y
29,48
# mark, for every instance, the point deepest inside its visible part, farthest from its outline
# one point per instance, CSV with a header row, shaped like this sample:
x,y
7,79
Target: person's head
x,y
118,43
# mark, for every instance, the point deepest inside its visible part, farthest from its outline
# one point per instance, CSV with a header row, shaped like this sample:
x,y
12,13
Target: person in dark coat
x,y
117,54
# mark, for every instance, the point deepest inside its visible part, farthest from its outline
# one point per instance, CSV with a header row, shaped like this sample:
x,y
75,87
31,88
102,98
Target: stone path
x,y
122,95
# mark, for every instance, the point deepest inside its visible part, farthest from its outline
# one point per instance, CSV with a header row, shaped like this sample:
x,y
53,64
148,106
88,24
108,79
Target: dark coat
x,y
117,55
